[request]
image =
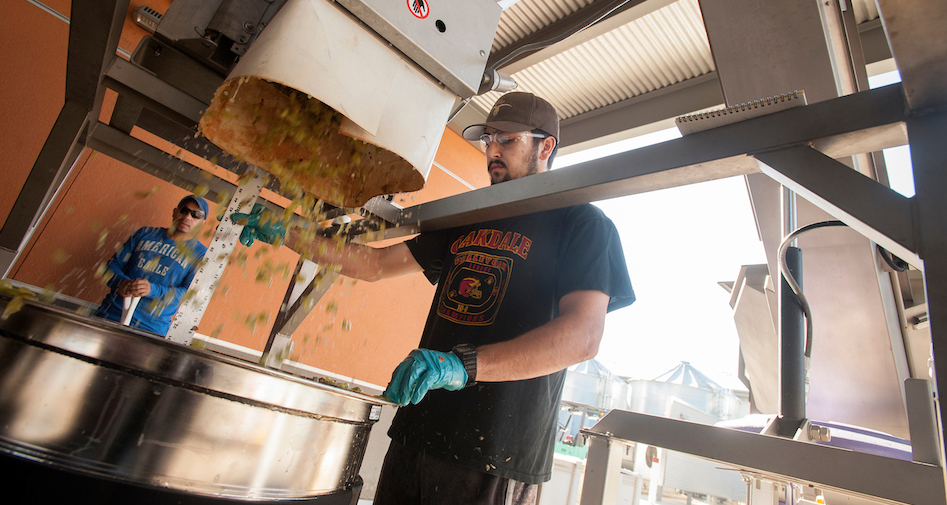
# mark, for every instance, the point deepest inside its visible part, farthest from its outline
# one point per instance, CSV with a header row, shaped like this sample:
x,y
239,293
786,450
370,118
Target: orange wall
x,y
32,89
104,196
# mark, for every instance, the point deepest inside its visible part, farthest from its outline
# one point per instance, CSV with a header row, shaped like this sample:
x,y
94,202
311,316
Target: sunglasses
x,y
504,138
196,214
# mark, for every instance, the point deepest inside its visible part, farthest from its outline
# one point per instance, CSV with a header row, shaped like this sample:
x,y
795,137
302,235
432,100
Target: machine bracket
x,y
868,475
875,211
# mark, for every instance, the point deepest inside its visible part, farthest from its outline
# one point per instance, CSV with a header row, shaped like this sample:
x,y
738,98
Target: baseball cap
x,y
198,200
518,111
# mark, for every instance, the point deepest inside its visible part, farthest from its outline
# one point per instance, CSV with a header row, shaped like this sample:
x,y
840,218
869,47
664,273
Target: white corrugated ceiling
x,y
663,47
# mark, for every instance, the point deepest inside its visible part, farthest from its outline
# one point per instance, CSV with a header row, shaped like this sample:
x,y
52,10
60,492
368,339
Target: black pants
x,y
409,477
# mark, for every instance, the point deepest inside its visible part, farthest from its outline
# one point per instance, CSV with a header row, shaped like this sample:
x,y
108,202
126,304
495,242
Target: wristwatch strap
x,y
468,356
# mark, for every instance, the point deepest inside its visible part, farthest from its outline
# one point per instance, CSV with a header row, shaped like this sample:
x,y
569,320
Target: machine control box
x,y
451,40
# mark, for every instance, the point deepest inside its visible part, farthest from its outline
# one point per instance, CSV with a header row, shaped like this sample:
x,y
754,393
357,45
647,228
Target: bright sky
x,y
679,243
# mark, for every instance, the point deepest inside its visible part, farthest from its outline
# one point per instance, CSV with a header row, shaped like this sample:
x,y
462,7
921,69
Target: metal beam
x,y
94,30
922,417
868,475
153,161
293,313
863,119
602,471
876,211
126,77
185,138
873,41
553,33
562,34
685,97
916,35
930,181
383,208
55,160
289,320
853,42
302,278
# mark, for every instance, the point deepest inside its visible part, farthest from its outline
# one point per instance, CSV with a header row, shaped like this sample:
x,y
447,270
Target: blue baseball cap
x,y
198,200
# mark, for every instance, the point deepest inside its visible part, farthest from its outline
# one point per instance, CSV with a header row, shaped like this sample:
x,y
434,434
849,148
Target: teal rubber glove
x,y
270,230
422,371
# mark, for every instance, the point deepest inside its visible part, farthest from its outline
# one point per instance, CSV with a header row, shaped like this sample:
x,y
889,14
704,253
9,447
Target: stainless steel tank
x,y
98,399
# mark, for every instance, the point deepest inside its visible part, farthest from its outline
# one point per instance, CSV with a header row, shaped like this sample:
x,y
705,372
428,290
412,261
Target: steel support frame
x,y
153,161
128,78
867,475
602,470
874,210
290,320
915,35
796,147
55,161
861,122
594,13
929,158
922,415
294,310
914,31
93,39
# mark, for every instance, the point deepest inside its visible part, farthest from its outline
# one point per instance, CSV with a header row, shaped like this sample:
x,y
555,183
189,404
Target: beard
x,y
532,167
503,177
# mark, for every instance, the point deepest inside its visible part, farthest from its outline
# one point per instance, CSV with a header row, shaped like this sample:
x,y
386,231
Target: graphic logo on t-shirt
x,y
151,256
476,282
474,288
470,287
496,240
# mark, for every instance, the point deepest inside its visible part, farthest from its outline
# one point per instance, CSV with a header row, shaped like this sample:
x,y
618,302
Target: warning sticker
x,y
419,8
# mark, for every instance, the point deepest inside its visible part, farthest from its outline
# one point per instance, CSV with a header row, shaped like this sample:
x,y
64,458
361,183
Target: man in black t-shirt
x,y
518,301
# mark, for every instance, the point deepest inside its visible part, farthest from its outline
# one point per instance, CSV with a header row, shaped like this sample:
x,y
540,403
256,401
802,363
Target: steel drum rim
x,y
75,335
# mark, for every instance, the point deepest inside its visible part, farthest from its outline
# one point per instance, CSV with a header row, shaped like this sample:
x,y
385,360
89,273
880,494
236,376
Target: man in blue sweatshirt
x,y
158,265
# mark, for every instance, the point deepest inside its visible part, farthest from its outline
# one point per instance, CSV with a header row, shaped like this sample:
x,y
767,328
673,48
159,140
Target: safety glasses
x,y
504,138
196,214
